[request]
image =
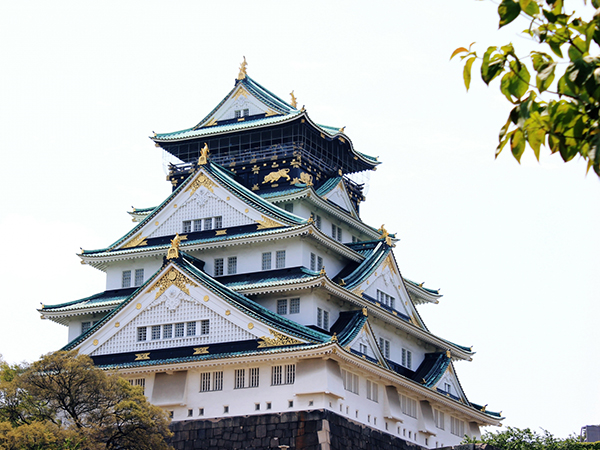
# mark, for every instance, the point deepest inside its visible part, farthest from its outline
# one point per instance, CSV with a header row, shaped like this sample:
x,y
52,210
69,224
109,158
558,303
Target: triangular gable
x,y
365,344
204,196
176,296
448,384
340,197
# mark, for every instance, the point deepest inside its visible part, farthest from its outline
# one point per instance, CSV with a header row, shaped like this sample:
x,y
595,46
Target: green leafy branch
x,y
560,110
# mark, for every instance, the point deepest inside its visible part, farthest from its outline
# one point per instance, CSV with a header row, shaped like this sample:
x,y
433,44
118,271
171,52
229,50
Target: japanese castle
x,y
255,287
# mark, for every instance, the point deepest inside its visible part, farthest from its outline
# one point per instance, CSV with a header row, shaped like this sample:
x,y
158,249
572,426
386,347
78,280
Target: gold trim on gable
x,y
201,180
138,240
172,277
279,339
266,222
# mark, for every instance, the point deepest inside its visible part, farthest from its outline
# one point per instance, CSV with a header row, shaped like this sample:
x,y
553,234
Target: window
x,y
362,348
447,388
246,112
218,270
385,299
190,412
266,261
280,259
254,377
319,263
168,331
139,382
240,379
141,334
438,417
313,262
268,405
354,241
257,407
179,328
384,345
232,265
350,381
197,225
187,226
336,232
155,332
282,307
457,427
139,277
406,358
238,113
283,374
204,326
290,403
318,222
294,306
372,391
218,222
205,381
208,224
408,405
323,319
85,327
191,329
289,207
126,279
226,409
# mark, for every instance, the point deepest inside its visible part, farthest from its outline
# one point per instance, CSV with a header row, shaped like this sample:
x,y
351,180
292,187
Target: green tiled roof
x,y
106,298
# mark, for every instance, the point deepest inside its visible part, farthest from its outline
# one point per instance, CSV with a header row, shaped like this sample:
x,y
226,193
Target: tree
x,y
63,401
526,439
561,109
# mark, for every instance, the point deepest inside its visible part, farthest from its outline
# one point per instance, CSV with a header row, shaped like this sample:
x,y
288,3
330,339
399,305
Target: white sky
x,y
513,248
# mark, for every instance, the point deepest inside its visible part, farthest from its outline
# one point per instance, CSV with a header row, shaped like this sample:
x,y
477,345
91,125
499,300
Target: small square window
x,y
141,334
85,327
225,409
187,226
190,412
268,405
204,326
282,307
238,113
191,329
171,413
311,403
257,407
200,411
290,403
218,222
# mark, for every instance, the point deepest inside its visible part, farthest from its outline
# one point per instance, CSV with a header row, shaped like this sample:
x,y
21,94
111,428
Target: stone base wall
x,y
307,430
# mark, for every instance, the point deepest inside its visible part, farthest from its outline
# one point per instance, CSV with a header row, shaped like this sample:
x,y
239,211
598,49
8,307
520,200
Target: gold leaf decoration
x,y
201,180
172,277
266,222
211,122
306,178
278,340
358,291
136,241
270,113
200,350
389,263
142,356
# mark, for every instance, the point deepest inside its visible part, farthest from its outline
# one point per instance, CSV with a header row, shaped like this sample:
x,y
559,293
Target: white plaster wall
x,y
114,272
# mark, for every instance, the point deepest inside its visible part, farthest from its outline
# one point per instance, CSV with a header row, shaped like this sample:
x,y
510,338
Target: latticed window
x,y
238,113
232,265
362,348
313,262
276,375
318,222
155,332
254,377
282,307
290,373
372,391
141,334
208,223
240,379
204,326
179,329
319,262
218,267
197,225
85,327
218,381
139,277
218,222
384,345
323,319
266,261
336,232
168,331
294,306
191,329
283,374
126,279
406,358
408,406
187,226
385,299
280,259
205,382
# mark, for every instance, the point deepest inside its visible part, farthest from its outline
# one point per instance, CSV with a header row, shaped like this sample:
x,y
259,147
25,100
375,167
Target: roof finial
x,y
448,354
173,252
203,159
322,272
242,73
334,337
294,102
385,235
341,130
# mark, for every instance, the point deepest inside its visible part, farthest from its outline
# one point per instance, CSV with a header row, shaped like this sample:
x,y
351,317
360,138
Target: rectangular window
x,y
333,231
280,259
155,332
282,307
232,265
276,377
323,319
406,358
457,427
384,346
238,113
141,334
294,306
218,270
139,382
350,381
198,225
438,417
179,329
313,262
218,222
205,382
319,317
339,234
319,263
266,261
319,222
85,327
218,381
372,391
362,348
240,379
283,374
126,279
254,377
246,112
191,329
187,226
326,320
204,327
208,223
385,299
168,331
290,373
139,277
408,406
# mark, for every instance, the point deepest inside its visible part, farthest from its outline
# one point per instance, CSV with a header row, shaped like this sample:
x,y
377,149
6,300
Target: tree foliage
x,y
526,439
64,402
555,89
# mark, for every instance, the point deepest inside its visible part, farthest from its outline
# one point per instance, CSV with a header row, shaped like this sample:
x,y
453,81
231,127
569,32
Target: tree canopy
x,y
559,106
64,402
526,439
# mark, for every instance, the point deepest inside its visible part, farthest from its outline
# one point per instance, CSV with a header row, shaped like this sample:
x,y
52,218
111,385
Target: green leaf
x,y
491,67
503,142
529,7
467,72
536,135
516,82
545,77
577,49
508,11
517,144
504,129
